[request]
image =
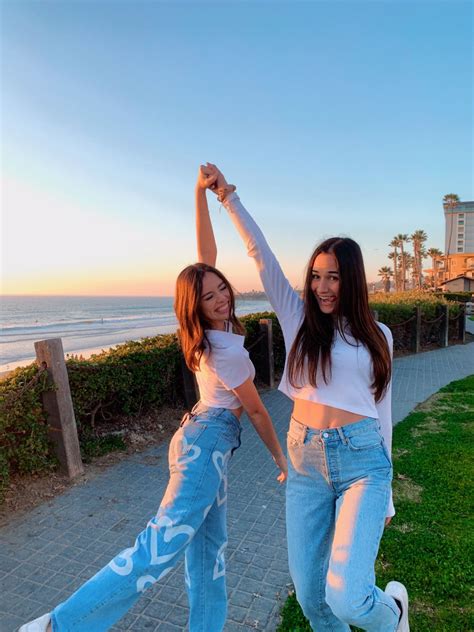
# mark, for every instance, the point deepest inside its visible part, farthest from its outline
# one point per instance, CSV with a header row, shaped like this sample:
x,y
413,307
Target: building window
x,y
460,222
460,248
460,214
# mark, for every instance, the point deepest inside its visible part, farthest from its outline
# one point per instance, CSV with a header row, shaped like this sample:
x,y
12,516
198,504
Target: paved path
x,y
47,554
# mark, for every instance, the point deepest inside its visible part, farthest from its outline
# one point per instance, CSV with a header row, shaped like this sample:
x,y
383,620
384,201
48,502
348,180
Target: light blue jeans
x,y
191,519
336,502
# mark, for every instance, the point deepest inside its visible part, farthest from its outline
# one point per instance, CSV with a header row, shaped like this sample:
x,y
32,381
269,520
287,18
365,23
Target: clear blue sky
x,y
331,118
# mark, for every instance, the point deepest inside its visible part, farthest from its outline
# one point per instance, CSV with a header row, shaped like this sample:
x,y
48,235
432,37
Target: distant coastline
x,y
253,295
90,325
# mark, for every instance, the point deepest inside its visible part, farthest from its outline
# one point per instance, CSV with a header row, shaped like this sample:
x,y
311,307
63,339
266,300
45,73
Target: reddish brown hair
x,y
188,309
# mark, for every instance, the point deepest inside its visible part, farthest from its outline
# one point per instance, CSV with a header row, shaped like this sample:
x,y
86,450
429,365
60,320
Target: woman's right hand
x,y
283,465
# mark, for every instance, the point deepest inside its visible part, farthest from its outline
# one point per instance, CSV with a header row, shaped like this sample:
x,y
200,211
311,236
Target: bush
x,y
394,308
128,379
24,444
251,325
461,297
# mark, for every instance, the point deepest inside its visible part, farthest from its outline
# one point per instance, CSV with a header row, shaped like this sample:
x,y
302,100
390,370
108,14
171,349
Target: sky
x,y
332,118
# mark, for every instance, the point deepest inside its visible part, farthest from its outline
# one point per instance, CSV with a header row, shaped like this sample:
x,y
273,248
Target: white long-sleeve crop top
x,y
222,368
349,387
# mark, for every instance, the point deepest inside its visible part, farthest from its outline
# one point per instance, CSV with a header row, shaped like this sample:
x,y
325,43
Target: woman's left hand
x,y
207,176
388,521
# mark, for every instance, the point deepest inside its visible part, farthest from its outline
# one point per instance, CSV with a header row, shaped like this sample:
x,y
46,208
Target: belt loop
x,y
185,418
305,433
342,436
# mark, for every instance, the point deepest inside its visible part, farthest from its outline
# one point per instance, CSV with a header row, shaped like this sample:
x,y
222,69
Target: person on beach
x,y
191,519
338,373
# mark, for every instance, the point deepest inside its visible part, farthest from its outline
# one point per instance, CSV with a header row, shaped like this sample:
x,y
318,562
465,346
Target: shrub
x,y
24,444
127,379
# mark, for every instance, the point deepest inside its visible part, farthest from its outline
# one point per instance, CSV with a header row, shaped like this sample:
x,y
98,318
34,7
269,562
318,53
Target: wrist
x,y
224,191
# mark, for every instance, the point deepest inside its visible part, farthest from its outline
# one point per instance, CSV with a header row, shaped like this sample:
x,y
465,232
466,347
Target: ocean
x,y
86,324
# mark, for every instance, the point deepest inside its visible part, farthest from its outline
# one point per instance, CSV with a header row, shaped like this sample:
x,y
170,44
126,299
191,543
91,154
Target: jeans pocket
x,y
190,434
365,441
292,441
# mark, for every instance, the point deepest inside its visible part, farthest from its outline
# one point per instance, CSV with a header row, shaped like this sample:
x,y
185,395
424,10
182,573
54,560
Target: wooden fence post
x,y
58,406
416,340
267,367
444,330
191,391
462,323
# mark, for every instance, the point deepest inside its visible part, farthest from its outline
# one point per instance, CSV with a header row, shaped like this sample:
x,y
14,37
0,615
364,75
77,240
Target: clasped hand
x,y
209,177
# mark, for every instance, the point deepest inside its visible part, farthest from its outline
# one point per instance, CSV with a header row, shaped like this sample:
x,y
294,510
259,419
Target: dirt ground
x,y
28,491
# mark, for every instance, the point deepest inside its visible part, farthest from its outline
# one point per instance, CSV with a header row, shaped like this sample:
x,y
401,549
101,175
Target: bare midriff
x,y
321,416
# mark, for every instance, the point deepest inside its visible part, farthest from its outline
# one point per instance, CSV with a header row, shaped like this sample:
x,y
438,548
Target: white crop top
x,y
349,387
225,367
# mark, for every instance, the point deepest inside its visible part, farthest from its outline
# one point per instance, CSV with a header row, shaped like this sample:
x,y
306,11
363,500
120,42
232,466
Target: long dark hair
x,y
188,309
312,345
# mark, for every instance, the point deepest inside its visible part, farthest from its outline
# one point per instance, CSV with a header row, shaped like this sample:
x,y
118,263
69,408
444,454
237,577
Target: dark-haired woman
x,y
338,373
191,519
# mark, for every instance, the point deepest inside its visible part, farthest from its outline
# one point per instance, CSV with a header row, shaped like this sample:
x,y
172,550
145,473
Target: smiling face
x,y
215,300
325,281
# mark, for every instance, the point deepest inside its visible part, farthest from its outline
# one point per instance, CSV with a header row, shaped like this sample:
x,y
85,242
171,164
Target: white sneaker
x,y
38,625
399,593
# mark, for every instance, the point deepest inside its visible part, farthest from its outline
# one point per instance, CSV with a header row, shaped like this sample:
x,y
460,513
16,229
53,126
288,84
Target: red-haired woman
x,y
338,373
191,519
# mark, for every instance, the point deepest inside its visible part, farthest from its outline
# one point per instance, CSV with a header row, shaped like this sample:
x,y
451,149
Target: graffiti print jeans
x,y
191,520
336,501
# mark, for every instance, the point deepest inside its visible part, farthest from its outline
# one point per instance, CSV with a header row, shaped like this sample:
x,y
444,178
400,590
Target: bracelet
x,y
223,192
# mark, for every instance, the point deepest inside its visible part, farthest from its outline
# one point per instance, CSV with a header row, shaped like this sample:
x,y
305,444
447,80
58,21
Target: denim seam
x,y
326,466
203,556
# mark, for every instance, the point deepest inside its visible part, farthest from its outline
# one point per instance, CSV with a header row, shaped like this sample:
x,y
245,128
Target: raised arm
x,y
283,298
206,243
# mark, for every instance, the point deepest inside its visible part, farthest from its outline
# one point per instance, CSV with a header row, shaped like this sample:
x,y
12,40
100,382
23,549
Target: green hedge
x,y
253,332
24,445
398,307
461,297
128,379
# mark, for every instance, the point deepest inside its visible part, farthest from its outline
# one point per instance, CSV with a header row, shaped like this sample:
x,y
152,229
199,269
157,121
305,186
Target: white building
x,y
459,229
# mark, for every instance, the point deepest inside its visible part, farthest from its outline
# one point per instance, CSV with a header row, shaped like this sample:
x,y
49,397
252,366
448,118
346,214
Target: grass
x,y
429,545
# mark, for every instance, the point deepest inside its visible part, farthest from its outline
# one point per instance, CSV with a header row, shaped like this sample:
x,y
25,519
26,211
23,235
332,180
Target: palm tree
x,y
402,238
406,264
418,238
385,272
434,253
450,201
394,256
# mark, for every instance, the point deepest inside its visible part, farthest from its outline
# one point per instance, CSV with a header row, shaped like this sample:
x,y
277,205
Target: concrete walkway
x,y
48,553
